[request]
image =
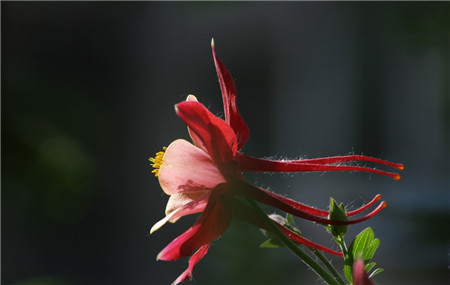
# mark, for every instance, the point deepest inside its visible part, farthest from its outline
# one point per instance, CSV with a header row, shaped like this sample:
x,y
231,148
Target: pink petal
x,y
359,274
232,115
195,258
215,134
253,164
187,168
213,222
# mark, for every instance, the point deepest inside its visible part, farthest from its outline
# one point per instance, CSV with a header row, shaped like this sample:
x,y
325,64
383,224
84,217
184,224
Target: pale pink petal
x,y
181,199
174,213
187,168
191,97
162,222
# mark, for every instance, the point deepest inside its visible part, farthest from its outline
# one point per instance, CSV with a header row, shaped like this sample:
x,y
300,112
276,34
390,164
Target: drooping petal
x,y
359,274
232,115
253,164
241,188
187,168
213,222
247,214
162,222
182,199
178,209
215,134
195,258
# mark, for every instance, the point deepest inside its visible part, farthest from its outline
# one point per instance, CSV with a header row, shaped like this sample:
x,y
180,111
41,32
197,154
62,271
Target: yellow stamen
x,y
157,161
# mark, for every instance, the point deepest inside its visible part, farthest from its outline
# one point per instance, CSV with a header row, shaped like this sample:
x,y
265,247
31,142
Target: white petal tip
x,y
191,97
161,223
153,229
158,225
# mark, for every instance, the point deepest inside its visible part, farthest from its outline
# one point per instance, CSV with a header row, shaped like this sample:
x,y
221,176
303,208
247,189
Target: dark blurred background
x,y
87,97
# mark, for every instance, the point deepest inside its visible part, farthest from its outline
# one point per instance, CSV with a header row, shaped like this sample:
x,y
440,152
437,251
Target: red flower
x,y
205,177
359,274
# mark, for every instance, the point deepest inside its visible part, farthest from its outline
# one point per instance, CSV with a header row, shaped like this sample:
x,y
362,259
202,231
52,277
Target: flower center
x,y
157,161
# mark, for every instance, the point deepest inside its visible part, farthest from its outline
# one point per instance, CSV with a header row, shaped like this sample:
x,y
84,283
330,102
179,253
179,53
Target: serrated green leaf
x,y
376,271
270,243
369,266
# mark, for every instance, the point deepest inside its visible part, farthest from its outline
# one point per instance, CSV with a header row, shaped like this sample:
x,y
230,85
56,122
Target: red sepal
x,y
232,115
247,214
241,188
195,258
216,135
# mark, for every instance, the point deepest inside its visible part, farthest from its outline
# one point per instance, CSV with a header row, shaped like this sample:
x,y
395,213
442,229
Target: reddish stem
x,y
252,164
364,207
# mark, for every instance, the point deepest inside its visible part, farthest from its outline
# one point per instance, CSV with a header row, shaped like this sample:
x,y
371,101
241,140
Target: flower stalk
x,y
314,265
329,266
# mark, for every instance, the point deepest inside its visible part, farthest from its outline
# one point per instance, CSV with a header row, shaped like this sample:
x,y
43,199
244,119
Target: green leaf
x,y
364,245
290,220
369,266
290,224
270,243
370,250
337,213
376,271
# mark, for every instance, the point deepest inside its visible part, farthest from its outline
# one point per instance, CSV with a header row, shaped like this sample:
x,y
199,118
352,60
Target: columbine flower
x,y
359,274
205,177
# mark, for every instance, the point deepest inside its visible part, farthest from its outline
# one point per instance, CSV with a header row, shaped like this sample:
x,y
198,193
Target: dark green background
x,y
87,96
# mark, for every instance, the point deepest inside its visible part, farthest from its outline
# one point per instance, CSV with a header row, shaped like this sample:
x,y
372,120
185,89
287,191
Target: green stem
x,y
314,265
341,242
329,266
